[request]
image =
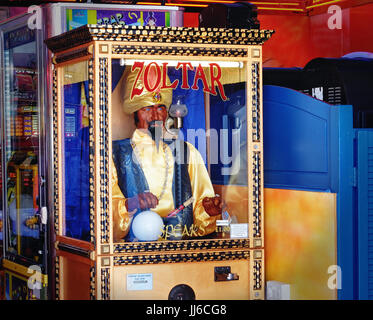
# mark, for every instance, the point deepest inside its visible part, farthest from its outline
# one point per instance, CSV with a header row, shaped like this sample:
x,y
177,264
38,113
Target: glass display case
x,y
24,232
158,163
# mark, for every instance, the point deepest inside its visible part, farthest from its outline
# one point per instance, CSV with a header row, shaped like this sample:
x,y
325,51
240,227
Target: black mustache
x,y
152,129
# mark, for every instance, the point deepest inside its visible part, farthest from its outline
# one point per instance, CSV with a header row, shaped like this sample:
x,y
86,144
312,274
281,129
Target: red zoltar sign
x,y
155,78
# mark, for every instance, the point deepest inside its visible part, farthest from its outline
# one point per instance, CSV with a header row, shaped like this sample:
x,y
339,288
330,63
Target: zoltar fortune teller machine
x,y
158,163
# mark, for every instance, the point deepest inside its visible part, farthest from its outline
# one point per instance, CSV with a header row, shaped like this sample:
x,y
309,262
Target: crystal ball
x,y
147,226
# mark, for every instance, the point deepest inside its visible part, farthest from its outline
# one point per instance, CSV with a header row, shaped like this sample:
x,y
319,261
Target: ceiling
x,y
264,6
306,7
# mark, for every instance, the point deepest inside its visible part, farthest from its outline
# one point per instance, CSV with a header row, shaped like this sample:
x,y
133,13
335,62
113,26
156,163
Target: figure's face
x,y
152,116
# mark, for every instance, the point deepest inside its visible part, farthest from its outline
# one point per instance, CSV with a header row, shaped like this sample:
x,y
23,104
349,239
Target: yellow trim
x,y
13,274
276,3
34,169
18,205
22,270
323,4
91,16
281,9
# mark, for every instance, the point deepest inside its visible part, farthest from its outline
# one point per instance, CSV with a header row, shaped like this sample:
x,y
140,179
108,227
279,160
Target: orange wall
x,y
290,45
191,19
361,28
301,241
298,39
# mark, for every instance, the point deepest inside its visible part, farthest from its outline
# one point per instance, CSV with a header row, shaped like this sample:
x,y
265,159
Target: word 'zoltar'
x,y
159,81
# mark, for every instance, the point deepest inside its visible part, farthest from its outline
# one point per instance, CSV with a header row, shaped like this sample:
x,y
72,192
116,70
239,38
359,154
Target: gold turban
x,y
157,96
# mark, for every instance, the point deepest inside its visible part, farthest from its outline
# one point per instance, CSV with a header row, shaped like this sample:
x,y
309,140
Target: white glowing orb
x,y
147,226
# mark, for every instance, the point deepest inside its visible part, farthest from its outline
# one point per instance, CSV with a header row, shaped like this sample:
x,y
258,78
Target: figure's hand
x,y
213,205
143,201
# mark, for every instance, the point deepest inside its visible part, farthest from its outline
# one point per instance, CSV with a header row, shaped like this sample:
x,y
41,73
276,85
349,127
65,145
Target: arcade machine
x,y
203,85
27,193
24,233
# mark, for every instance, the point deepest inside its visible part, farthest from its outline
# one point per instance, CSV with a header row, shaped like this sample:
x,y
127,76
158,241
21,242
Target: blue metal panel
x,y
365,212
308,145
343,153
297,140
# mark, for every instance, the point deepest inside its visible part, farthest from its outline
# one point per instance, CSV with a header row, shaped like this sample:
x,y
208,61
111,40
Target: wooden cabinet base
x,y
155,281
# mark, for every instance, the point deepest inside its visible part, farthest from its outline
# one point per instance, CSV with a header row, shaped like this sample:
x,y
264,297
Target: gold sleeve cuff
x,y
202,187
121,219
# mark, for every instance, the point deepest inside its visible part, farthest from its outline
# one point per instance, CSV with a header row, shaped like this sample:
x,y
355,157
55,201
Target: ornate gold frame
x,y
99,45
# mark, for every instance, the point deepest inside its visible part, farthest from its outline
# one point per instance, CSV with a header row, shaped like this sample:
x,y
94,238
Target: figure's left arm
x,y
202,188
